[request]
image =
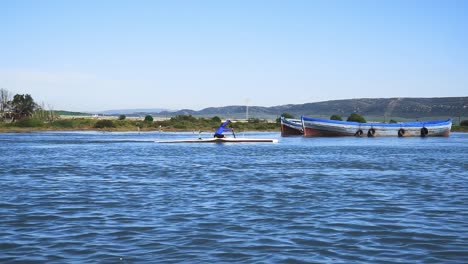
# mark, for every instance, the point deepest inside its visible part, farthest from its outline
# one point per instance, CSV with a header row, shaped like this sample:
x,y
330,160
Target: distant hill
x,y
69,113
373,109
138,111
377,109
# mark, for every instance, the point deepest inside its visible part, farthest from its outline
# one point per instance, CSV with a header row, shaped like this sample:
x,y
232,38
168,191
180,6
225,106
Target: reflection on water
x,y
122,198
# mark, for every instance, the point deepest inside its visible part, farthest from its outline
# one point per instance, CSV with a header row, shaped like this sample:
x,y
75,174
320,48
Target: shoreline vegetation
x,y
174,124
459,129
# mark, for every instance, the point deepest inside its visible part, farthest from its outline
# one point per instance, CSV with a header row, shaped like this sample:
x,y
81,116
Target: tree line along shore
x,y
177,123
173,124
20,113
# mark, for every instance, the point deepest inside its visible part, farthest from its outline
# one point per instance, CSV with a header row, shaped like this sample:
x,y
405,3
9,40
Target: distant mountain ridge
x,y
375,108
132,111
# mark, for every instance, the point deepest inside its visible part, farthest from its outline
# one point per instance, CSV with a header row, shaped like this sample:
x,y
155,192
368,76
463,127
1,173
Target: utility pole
x,y
247,109
247,112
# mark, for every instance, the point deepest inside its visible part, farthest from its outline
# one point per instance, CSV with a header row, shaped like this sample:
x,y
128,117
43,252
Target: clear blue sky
x,y
98,55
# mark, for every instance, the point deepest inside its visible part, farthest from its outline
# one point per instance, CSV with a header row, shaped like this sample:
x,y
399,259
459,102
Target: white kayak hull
x,y
222,140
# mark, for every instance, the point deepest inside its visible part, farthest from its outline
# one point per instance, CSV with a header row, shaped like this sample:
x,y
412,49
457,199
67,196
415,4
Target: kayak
x,y
222,140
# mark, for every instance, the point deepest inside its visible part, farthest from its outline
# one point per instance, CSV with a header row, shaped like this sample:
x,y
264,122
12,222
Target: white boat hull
x,y
222,140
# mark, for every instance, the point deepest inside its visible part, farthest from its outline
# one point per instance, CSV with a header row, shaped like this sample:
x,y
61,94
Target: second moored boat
x,y
291,127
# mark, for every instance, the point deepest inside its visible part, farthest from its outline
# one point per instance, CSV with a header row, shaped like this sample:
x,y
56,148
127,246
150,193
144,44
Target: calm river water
x,y
93,197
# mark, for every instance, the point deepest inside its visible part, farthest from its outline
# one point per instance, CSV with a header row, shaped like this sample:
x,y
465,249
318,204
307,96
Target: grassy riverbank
x,y
460,129
178,123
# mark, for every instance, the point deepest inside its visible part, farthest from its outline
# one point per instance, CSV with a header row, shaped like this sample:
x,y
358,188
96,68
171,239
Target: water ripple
x,y
85,197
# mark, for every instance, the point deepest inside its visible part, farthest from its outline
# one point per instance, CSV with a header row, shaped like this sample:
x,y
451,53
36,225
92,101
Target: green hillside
x,y
70,113
378,109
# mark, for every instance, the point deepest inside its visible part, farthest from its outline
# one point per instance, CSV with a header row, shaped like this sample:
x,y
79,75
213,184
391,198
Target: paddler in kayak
x,y
222,128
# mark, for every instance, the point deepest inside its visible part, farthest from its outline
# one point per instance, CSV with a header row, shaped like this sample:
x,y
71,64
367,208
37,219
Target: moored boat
x,y
318,127
291,127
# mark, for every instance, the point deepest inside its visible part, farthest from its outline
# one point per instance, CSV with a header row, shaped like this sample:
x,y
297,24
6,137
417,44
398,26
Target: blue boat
x,y
318,127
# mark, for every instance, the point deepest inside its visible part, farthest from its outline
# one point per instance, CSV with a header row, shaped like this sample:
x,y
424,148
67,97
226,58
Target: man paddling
x,y
222,128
